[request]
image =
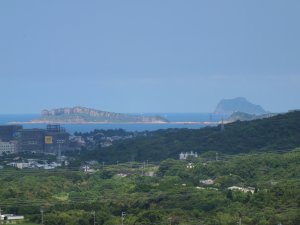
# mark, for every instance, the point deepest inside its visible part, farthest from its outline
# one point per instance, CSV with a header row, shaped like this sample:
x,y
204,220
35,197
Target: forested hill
x,y
280,132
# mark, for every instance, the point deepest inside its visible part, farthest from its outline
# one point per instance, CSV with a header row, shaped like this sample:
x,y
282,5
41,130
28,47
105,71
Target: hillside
x,y
246,116
281,132
229,106
68,196
87,115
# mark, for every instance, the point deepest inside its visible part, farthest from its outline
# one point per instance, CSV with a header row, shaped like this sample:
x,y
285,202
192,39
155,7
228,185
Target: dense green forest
x,y
280,132
174,195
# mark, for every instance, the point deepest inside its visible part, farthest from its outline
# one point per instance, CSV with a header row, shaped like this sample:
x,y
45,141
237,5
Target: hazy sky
x,y
148,56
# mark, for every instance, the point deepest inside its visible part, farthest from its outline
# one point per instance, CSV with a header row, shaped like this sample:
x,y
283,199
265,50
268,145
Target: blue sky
x,y
148,56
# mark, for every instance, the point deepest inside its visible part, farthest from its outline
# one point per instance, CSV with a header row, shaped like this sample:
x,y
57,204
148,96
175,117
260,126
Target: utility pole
x,y
143,168
94,215
59,142
170,219
0,215
240,221
42,216
222,125
123,214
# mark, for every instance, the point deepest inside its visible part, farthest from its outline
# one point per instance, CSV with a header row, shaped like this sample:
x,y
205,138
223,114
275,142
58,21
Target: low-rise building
x,y
243,189
10,218
19,165
8,147
207,182
183,156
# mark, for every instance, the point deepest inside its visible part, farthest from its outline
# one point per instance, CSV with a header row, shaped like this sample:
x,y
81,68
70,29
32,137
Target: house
x,y
245,190
207,182
122,175
200,188
150,174
183,156
88,169
10,218
19,165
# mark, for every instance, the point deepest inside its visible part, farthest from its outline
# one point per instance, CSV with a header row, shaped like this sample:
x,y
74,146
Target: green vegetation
x,y
281,132
28,224
245,116
254,180
174,196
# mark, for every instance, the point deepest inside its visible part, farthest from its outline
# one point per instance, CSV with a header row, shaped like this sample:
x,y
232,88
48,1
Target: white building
x,y
207,182
19,165
245,190
78,139
10,218
8,147
183,156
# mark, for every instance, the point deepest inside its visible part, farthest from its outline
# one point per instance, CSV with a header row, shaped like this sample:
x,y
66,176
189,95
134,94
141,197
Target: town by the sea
x,y
188,120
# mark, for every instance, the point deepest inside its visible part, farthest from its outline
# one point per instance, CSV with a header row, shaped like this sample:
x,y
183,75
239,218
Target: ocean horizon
x,y
71,128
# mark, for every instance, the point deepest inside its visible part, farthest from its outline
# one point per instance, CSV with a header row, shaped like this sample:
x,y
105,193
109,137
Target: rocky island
x,y
81,115
240,104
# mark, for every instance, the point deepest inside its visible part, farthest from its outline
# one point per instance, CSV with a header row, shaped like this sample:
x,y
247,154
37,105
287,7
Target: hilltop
x,y
240,104
80,114
281,132
246,116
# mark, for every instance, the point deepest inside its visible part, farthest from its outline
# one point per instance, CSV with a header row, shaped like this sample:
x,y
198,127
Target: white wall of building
x,y
7,147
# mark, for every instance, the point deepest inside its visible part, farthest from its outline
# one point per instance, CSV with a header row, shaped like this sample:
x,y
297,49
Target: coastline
x,y
145,123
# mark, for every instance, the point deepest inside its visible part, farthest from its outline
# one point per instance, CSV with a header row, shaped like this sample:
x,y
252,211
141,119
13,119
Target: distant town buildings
x,y
13,138
184,156
54,140
8,147
9,132
36,164
31,140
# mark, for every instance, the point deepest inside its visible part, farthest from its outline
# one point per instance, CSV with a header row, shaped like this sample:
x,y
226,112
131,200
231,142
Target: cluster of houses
x,y
186,155
54,139
38,164
100,139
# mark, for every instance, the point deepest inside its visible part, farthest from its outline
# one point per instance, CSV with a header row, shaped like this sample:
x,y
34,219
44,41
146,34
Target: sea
x,y
71,128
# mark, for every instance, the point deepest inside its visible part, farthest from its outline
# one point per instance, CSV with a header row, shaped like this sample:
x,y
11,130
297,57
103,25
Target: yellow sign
x,y
48,140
